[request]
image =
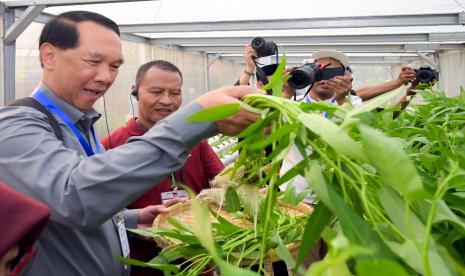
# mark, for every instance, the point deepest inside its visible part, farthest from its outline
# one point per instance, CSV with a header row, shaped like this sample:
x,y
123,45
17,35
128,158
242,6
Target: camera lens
x,y
424,76
258,43
303,76
299,80
262,47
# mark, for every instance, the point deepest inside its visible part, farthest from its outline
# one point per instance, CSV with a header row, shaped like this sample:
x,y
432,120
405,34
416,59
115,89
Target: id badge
x,y
123,238
172,194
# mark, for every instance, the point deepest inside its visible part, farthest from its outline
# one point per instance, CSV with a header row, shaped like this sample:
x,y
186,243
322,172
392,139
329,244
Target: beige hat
x,y
342,58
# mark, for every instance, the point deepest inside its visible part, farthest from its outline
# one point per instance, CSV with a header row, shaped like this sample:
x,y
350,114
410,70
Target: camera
x,y
263,47
310,73
426,74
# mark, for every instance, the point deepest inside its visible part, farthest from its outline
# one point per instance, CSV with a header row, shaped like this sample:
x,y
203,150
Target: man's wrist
x,y
248,72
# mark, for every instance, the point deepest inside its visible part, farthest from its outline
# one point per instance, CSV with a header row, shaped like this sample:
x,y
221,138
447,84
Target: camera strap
x,y
306,93
261,76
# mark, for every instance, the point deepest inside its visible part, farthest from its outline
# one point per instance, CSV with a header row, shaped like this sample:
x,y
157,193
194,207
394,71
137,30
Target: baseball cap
x,y
342,58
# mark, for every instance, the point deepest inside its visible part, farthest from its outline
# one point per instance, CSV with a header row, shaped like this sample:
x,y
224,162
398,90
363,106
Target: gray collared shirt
x,y
84,193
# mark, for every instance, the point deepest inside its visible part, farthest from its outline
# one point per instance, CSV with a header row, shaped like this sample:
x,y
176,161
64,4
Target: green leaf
x,y
161,232
316,222
409,224
455,201
293,172
291,196
164,267
273,137
393,164
215,113
414,230
335,261
202,224
283,252
267,213
353,225
379,267
233,204
332,134
228,269
172,253
179,224
373,103
224,225
444,214
277,80
257,126
409,253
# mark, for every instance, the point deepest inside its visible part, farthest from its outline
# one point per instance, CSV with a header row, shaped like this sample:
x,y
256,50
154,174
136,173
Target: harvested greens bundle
x,y
391,192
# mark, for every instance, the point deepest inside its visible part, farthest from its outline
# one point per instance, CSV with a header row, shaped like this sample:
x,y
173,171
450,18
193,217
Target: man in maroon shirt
x,y
158,93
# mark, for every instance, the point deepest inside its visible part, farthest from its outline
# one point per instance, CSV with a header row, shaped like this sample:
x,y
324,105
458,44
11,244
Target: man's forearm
x,y
85,191
370,92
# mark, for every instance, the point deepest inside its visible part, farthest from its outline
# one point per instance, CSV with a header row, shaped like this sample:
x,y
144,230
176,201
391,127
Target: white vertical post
x,y
207,72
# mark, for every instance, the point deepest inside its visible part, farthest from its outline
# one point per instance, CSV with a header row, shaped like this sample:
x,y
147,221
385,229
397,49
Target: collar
x,y
308,99
88,117
134,129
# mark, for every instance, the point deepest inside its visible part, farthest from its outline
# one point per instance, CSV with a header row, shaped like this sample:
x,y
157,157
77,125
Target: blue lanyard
x,y
309,100
47,103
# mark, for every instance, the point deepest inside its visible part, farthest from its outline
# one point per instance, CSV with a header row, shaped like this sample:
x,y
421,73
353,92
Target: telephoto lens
x,y
426,74
263,47
304,75
310,73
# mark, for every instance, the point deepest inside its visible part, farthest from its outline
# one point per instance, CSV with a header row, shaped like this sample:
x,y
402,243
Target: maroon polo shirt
x,y
201,166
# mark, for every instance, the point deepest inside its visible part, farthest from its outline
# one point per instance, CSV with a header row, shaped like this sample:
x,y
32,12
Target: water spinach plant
x,y
390,191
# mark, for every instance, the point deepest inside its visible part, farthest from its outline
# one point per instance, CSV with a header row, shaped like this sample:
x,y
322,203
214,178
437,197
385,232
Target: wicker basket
x,y
183,212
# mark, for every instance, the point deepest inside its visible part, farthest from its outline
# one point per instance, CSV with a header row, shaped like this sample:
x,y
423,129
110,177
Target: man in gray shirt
x,y
85,188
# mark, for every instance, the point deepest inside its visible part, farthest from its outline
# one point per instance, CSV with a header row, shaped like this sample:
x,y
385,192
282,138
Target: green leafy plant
x,y
389,191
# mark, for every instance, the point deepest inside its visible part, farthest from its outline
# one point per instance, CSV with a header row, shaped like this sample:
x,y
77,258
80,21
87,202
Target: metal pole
x,y
207,72
2,54
440,84
7,57
10,58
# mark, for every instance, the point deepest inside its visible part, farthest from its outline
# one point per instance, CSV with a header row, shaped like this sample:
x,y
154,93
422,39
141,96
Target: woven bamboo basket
x,y
183,212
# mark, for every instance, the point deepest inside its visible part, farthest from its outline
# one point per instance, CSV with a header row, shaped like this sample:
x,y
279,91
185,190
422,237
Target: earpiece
x,y
135,93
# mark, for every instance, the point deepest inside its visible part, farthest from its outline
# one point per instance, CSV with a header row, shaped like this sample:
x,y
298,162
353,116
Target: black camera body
x,y
310,73
263,47
426,74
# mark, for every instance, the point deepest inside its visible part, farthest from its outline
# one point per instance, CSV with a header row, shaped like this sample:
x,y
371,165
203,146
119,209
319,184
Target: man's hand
x,y
288,91
148,214
406,75
227,95
341,86
249,56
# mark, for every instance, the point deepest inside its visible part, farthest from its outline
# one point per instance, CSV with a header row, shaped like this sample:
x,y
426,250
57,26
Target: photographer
x,y
406,75
249,70
337,88
425,76
258,48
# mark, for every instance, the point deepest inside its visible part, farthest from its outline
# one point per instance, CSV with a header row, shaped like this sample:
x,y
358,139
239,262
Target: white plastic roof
x,y
223,10
224,13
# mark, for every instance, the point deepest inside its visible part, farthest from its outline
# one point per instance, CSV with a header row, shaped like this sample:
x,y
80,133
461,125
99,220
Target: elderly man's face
x,y
159,95
82,75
